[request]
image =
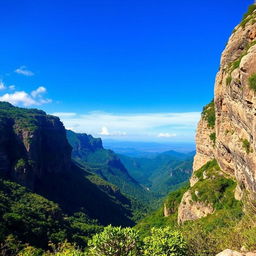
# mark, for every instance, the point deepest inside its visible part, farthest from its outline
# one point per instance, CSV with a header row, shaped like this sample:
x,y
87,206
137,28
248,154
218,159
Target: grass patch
x,y
252,82
246,146
209,114
228,80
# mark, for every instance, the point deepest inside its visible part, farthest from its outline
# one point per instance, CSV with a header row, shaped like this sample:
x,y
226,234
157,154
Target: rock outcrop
x,y
190,210
32,144
227,132
229,252
34,152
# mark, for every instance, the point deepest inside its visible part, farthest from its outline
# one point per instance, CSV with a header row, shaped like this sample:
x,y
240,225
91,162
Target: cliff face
x,y
32,144
34,152
226,131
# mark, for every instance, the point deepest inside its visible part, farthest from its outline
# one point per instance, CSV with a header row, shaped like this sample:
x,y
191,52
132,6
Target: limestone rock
x,y
229,252
191,210
235,125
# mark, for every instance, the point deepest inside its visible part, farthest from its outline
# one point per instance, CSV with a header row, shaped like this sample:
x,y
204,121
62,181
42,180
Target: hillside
x,y
89,153
161,173
35,153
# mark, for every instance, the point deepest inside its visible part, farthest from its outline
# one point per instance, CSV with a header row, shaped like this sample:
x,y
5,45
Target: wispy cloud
x,y
153,126
64,114
2,86
105,132
24,71
166,135
26,99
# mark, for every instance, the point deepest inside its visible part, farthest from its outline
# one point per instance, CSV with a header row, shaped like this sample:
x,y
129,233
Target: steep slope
x,y
161,173
89,152
26,217
218,209
226,131
34,152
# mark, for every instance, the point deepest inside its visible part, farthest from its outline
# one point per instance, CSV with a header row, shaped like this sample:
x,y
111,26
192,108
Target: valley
x,y
74,184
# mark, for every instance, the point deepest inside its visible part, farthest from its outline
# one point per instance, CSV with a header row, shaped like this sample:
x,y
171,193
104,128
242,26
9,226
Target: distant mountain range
x,y
89,153
145,149
162,172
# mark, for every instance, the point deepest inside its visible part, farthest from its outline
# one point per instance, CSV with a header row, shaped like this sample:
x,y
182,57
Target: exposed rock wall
x,y
234,147
33,147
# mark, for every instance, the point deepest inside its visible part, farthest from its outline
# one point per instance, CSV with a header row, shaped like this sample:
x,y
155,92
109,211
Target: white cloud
x,y
19,97
2,86
135,126
12,87
166,135
104,131
64,114
38,92
24,71
26,99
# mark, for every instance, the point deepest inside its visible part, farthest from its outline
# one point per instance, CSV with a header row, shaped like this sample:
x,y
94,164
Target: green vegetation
x,y
20,164
115,241
90,154
236,63
228,80
210,234
216,189
164,242
252,82
251,9
27,218
213,138
209,114
162,173
248,15
24,118
246,146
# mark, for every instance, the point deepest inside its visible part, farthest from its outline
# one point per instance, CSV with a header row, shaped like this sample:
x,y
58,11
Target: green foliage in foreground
x,y
209,114
164,242
115,241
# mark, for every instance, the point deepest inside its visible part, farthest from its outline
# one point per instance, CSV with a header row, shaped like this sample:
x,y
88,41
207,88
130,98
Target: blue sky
x,y
127,70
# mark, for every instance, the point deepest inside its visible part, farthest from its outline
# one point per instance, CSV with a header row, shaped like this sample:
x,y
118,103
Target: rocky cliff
x,y
32,144
226,131
34,152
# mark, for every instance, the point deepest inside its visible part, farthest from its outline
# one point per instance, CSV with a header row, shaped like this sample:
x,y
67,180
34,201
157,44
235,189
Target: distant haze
x,y
137,148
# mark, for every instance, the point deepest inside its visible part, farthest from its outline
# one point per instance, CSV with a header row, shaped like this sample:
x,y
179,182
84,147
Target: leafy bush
x,y
65,249
20,164
209,114
115,241
164,242
252,82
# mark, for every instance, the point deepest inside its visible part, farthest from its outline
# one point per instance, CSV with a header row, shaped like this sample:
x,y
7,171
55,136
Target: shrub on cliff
x,y
209,114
